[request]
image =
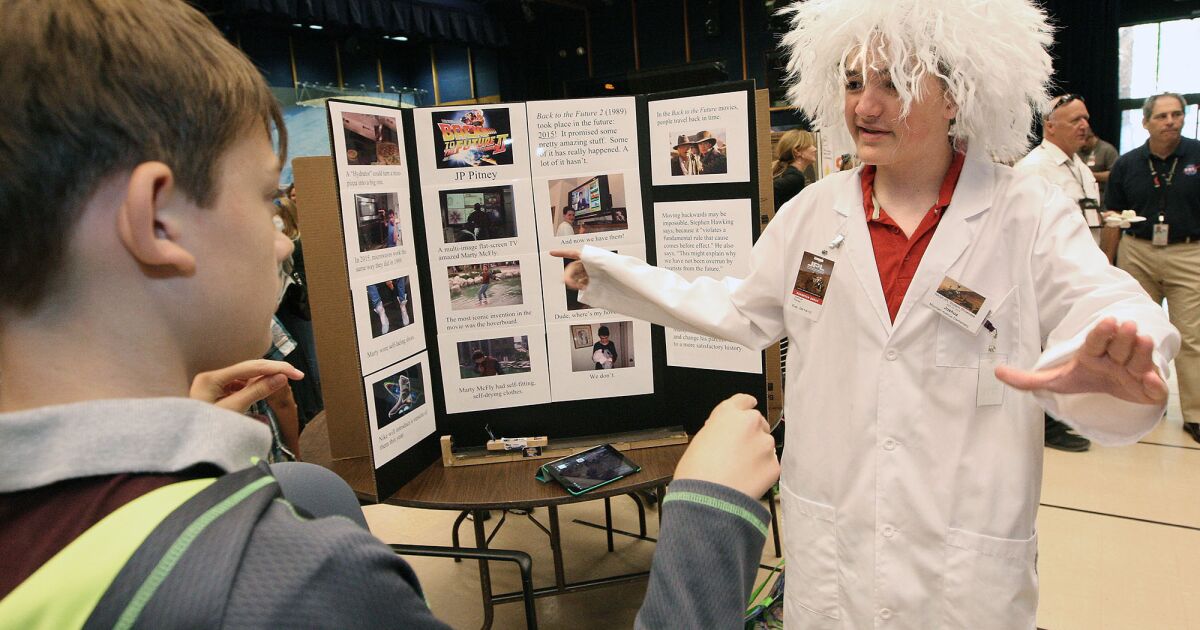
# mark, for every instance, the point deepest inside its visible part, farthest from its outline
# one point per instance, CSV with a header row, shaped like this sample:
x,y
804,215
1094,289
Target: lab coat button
x,y
889,444
885,614
888,531
891,355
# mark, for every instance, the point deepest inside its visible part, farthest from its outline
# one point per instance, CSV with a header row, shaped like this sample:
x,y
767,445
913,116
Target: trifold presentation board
x,y
435,237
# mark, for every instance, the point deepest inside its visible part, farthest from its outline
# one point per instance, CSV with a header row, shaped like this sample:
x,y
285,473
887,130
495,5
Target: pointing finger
x,y
1022,380
255,391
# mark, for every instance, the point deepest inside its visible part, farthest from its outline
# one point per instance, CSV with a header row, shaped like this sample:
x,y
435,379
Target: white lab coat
x,y
904,504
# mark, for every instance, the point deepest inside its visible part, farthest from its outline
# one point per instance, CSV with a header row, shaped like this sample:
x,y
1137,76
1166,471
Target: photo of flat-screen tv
x,y
590,197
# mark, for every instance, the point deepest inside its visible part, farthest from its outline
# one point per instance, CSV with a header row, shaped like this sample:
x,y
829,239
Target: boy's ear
x,y
144,227
951,112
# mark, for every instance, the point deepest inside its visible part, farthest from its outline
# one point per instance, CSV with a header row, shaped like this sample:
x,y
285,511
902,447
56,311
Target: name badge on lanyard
x,y
812,281
1160,236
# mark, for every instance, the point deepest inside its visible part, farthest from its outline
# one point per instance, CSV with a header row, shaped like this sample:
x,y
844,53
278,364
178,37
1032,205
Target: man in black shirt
x,y
1159,180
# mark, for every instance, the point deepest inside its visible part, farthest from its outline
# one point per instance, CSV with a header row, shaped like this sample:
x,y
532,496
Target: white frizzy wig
x,y
990,55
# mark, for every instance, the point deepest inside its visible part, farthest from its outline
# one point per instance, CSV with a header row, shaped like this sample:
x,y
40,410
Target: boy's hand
x,y
240,385
734,449
1114,360
575,275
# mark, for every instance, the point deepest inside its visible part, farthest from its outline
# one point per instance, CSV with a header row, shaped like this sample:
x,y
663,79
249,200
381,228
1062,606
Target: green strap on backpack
x,y
129,569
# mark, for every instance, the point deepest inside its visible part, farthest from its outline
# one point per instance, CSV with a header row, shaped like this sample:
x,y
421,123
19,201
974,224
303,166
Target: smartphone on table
x,y
590,469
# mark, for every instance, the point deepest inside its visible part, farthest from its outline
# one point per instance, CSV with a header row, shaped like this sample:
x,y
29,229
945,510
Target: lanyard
x,y
1155,175
1158,185
1070,164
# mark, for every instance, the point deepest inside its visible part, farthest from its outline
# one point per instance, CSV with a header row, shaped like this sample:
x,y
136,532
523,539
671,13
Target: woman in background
x,y
294,315
795,152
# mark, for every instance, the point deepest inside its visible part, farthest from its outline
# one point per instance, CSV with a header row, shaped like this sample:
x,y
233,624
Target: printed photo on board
x,y
472,137
391,308
398,394
378,221
493,357
484,285
605,346
478,214
698,153
584,205
371,140
573,303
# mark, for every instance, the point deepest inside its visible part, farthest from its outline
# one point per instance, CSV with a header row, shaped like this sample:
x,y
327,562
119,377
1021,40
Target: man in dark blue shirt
x,y
1159,181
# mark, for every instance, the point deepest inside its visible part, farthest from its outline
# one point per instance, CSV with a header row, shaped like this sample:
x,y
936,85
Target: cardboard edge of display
x,y
766,207
554,449
330,295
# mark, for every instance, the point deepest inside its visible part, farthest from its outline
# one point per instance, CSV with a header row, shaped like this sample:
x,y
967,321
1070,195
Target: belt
x,y
1170,241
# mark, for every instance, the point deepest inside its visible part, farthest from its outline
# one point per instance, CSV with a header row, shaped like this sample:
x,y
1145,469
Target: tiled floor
x,y
1119,533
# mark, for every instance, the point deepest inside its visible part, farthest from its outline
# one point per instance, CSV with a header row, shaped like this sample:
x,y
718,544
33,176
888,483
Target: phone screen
x,y
592,467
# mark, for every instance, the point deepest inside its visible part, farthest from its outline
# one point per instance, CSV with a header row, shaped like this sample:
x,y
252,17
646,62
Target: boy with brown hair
x,y
138,250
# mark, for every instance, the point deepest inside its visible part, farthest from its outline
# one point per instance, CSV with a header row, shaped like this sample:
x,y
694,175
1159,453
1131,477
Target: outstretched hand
x,y
240,385
575,275
734,449
1113,360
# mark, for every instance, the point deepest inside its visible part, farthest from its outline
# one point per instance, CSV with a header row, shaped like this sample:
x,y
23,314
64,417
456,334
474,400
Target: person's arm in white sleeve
x,y
747,311
1107,346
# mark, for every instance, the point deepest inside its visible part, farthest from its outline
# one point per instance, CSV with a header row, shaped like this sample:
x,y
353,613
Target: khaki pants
x,y
1173,272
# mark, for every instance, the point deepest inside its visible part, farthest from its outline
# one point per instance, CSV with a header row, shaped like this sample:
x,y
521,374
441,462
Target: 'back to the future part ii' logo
x,y
474,138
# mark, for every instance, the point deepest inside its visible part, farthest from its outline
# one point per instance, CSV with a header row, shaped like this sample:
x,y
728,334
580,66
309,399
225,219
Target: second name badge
x,y
812,282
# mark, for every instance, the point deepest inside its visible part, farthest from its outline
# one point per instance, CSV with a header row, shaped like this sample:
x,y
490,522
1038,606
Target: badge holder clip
x,y
989,390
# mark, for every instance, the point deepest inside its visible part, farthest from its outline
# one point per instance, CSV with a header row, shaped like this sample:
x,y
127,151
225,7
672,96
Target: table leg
x,y
485,575
641,513
608,522
560,579
454,533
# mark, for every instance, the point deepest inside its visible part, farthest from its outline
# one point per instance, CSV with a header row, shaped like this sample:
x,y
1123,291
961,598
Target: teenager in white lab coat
x,y
913,464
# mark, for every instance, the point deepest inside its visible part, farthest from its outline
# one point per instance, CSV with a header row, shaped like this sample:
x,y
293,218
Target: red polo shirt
x,y
897,255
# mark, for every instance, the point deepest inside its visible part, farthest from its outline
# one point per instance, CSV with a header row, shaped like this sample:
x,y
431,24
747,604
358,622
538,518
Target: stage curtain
x,y
1085,58
461,21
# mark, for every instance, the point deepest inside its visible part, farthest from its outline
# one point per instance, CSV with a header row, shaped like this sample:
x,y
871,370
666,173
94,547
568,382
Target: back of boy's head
x,y
95,87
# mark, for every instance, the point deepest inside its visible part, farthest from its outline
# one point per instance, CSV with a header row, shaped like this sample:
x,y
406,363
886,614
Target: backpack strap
x,y
64,591
182,574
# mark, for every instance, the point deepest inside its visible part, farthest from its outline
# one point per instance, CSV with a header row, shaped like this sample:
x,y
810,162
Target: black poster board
x,y
681,396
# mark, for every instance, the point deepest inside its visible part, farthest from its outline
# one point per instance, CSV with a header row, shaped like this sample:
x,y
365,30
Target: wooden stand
x,y
554,449
512,444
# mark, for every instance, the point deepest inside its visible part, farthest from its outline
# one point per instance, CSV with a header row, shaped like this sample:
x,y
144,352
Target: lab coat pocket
x,y
958,348
812,557
989,582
